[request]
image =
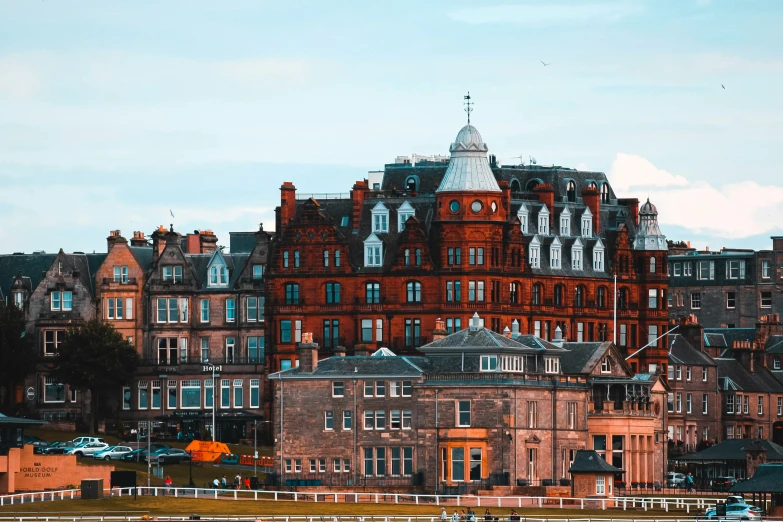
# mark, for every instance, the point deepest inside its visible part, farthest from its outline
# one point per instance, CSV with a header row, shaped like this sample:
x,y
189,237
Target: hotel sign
x,y
209,368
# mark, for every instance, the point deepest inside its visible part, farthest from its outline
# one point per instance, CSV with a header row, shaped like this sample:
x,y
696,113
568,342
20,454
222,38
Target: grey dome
x,y
469,168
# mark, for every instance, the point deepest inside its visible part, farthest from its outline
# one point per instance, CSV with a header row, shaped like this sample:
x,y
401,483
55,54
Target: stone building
x,y
478,409
730,288
532,244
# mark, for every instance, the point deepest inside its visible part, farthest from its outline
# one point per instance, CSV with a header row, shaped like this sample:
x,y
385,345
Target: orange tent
x,y
206,450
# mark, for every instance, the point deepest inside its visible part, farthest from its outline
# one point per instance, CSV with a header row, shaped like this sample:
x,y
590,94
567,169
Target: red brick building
x,y
528,245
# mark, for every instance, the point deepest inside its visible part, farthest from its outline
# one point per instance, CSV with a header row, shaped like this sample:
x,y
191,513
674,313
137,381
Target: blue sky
x,y
112,113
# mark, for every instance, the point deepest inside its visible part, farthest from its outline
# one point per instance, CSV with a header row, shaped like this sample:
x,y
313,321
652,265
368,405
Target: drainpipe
x,y
554,427
281,427
355,429
437,442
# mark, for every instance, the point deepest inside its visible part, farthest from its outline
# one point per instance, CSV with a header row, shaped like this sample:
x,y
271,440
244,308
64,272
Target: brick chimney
x,y
158,243
592,199
693,332
546,195
308,354
768,326
139,240
743,352
287,205
208,241
633,207
115,236
339,351
357,201
440,329
361,350
506,197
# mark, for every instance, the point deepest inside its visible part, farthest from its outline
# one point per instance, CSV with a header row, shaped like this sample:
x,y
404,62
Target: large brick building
x,y
532,244
729,288
478,409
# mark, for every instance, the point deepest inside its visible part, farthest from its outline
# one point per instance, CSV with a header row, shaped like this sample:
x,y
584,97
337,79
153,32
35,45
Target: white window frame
x,y
598,257
204,311
587,223
565,222
380,219
555,255
543,221
534,254
523,214
576,255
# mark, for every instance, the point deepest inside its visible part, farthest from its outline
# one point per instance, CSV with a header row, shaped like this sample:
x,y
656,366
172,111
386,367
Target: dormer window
x,y
120,274
380,219
587,223
535,253
218,275
571,191
373,251
61,301
606,365
551,365
543,221
172,273
555,254
405,212
258,271
576,255
489,363
598,256
19,300
565,223
605,193
344,221
522,214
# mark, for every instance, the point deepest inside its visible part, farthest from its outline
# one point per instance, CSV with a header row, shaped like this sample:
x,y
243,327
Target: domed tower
x,y
648,234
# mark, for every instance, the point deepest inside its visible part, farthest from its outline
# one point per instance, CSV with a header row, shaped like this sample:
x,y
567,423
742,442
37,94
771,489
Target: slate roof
x,y
733,376
774,344
681,352
579,356
358,367
30,265
241,242
14,421
734,449
485,340
729,336
143,257
200,263
768,478
588,461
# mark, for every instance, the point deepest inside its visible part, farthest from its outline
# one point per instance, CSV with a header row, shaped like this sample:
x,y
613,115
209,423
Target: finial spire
x,y
468,105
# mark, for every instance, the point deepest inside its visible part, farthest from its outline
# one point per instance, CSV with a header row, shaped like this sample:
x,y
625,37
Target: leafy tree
x,y
95,357
17,354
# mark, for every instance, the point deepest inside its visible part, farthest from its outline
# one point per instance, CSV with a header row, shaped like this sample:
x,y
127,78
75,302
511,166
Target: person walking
x,y
455,516
216,483
443,515
224,482
487,515
689,482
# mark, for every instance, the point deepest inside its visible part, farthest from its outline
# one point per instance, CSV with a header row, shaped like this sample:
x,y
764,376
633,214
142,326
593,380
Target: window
x,y
407,418
731,300
704,374
285,331
347,420
688,373
380,218
652,265
337,258
678,372
418,257
730,404
623,335
653,299
258,272
373,293
285,259
670,403
218,275
761,404
522,214
463,413
489,363
688,403
332,293
554,254
373,254
606,365
326,258
338,389
230,310
453,291
706,270
766,299
62,301
255,393
255,309
53,391
535,254
329,420
543,221
167,350
380,388
551,365
532,414
735,269
407,257
780,406
204,349
572,409
579,296
747,400
331,331
476,291
776,363
765,269
457,464
296,259
209,393
291,294
172,273
144,397
587,223
225,393
412,332
576,256
413,292
705,404
600,485
395,420
598,258
380,420
695,300
344,221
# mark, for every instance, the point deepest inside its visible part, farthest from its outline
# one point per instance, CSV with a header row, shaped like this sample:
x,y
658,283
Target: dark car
x,y
137,455
58,448
723,483
38,444
170,455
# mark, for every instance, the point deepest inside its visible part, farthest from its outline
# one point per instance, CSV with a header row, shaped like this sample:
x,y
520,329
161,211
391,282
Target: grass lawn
x,y
180,506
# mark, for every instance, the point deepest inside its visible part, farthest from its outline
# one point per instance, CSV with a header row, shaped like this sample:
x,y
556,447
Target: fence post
x,y
582,502
603,504
561,504
540,502
215,493
478,498
519,501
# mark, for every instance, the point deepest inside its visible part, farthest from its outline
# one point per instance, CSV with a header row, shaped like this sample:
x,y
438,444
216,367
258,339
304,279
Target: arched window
x,y
533,183
652,265
579,296
622,299
538,290
606,365
332,293
407,257
600,297
571,191
413,292
514,292
593,185
285,259
291,294
516,186
326,258
296,259
418,257
605,193
412,184
558,295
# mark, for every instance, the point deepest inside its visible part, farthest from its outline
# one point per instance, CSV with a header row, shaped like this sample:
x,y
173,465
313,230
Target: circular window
x,y
323,235
310,235
494,207
298,235
476,206
454,206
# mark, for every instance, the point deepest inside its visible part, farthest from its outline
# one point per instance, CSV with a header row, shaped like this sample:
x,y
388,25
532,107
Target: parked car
x,y
58,448
137,455
736,512
81,440
87,449
112,453
675,480
723,483
34,441
170,455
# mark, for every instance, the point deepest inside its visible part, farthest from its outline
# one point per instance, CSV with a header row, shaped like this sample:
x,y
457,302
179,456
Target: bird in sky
x,y
724,88
545,64
172,213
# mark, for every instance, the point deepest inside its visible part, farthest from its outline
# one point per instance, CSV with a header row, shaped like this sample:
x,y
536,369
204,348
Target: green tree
x,y
95,357
17,354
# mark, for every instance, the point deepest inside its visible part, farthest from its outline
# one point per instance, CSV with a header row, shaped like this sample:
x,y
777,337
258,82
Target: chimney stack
x,y
475,323
357,201
287,205
138,239
546,195
115,236
592,199
339,351
307,351
440,329
158,244
693,332
506,197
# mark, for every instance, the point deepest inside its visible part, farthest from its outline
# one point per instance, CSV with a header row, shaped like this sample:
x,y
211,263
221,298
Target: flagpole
x,y
614,328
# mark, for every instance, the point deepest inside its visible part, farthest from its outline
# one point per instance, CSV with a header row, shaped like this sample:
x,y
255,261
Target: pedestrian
x,y
487,515
247,482
443,515
455,516
168,482
689,482
224,482
216,483
238,481
471,516
463,516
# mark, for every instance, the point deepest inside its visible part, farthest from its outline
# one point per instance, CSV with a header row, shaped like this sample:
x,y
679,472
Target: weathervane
x,y
468,105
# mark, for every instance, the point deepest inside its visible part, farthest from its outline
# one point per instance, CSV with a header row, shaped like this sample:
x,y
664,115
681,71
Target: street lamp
x,y
214,400
255,445
163,399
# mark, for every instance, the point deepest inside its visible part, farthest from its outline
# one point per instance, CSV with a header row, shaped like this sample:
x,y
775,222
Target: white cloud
x,y
18,78
548,13
735,210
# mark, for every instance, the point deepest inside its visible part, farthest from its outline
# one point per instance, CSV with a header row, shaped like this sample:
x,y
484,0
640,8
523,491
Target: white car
x,y
81,440
112,452
675,480
87,449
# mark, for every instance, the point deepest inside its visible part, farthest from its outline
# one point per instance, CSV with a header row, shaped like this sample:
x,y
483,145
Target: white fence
x,y
109,516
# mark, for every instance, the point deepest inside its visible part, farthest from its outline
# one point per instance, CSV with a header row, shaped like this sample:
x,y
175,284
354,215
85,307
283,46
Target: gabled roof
x,y
588,461
581,357
406,207
681,352
774,344
372,238
735,449
733,375
380,207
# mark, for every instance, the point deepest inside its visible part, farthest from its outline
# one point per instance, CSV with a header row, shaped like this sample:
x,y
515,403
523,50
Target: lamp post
x,y
255,445
163,399
215,376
